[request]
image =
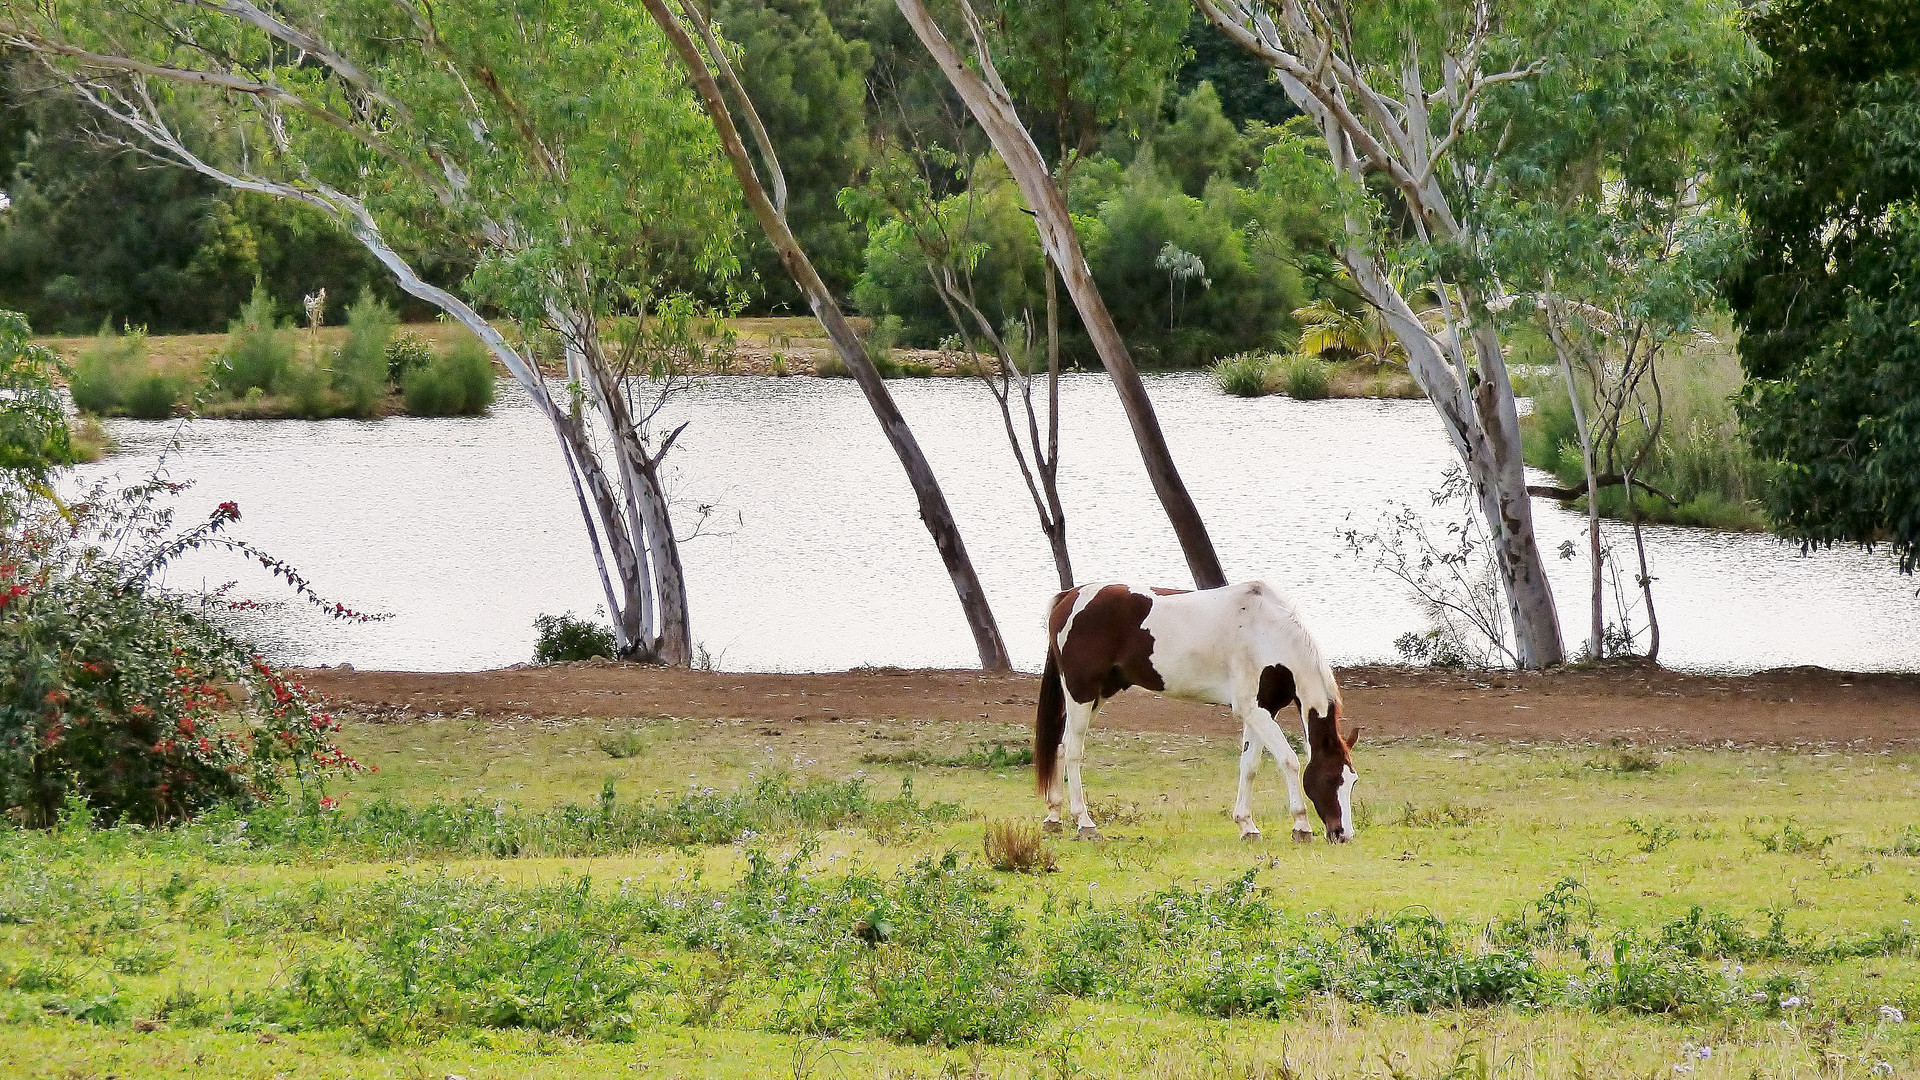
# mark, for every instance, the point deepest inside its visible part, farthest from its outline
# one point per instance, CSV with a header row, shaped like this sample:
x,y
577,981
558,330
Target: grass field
x,y
691,898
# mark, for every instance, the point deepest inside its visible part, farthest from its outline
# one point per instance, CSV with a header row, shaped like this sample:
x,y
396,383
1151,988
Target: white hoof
x,y
1052,827
1303,836
1088,832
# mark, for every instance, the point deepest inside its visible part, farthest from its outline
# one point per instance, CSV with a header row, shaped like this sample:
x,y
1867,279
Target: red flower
x,y
229,510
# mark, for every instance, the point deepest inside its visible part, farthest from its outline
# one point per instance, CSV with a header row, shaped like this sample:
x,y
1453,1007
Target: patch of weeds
x,y
1790,839
1653,835
140,958
1907,843
1640,979
1018,847
991,756
1116,811
1626,762
1563,917
1435,817
627,744
108,1007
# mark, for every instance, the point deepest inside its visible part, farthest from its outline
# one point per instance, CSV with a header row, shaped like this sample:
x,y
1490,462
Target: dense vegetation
x,y
1826,163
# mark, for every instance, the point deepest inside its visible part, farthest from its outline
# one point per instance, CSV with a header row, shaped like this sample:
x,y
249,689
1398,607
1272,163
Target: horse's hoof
x,y
1303,836
1052,828
1250,837
1088,832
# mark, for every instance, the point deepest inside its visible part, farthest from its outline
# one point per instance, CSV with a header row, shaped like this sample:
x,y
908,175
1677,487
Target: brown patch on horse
x,y
1276,689
1107,649
1158,591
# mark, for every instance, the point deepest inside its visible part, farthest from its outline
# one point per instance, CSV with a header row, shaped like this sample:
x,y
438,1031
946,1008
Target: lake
x,y
465,529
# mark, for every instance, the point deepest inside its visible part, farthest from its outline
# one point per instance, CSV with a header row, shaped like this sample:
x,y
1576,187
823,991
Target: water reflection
x,y
465,529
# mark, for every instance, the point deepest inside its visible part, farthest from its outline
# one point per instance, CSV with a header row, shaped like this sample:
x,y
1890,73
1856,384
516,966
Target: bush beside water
x,y
458,382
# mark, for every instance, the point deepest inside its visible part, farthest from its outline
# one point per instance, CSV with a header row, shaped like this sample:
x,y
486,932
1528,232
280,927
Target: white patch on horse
x,y
1347,779
1083,596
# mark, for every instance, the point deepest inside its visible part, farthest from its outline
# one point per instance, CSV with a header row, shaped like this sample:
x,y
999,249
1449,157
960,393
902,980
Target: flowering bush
x,y
134,698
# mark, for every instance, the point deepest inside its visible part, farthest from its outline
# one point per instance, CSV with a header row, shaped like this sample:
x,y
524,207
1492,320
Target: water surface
x,y
815,558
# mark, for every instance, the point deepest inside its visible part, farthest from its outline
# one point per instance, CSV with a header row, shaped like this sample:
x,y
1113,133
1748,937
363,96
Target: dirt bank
x,y
1792,707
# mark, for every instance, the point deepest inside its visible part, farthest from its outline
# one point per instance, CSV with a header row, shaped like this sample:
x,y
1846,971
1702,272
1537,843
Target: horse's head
x,y
1330,776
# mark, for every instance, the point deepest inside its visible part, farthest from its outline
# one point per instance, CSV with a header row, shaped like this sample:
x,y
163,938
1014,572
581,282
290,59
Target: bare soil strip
x,y
1633,703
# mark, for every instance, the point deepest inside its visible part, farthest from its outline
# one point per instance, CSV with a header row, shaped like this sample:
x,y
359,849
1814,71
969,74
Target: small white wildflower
x,y
1881,1068
1757,997
1891,1014
1791,1003
1706,1052
1683,1069
4,201
716,905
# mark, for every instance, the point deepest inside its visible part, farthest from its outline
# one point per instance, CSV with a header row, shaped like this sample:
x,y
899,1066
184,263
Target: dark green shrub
x,y
361,367
458,382
563,637
258,350
1179,275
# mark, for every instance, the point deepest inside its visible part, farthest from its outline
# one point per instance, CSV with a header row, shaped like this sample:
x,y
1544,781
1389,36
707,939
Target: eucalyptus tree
x,y
1421,104
704,57
991,104
1609,233
552,144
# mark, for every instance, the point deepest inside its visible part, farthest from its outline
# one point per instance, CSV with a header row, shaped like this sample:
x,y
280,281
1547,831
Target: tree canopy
x,y
1826,166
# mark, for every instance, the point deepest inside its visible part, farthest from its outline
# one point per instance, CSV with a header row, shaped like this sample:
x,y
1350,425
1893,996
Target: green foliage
x,y
1701,458
809,84
123,700
113,376
1825,150
560,638
1200,143
1246,374
34,439
259,349
406,352
1248,288
96,234
458,382
1081,68
981,233
1304,378
1248,92
362,366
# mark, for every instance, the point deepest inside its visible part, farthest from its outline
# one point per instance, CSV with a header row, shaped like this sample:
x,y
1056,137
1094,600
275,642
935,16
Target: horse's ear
x,y
1353,738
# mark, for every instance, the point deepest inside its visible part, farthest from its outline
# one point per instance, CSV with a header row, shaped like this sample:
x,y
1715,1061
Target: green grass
x,y
742,900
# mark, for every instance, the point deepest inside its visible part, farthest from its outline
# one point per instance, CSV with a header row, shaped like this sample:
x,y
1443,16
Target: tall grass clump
x,y
1304,378
1701,460
458,382
1243,374
360,368
258,352
114,376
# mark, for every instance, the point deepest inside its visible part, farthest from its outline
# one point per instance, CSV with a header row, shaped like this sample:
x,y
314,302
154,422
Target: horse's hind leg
x,y
1266,730
1250,751
1056,788
1079,720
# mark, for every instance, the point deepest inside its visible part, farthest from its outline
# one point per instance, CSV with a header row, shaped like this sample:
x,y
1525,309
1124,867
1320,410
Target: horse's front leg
x,y
1250,751
1269,732
1079,720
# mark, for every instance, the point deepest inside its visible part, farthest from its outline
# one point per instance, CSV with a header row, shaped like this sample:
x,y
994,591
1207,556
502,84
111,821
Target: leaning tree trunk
x,y
992,108
934,511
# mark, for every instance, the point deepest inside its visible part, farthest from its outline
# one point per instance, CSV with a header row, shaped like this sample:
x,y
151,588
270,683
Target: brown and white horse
x,y
1243,646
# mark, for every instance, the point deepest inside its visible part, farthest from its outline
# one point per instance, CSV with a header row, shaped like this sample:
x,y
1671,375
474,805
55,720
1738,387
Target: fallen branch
x,y
1568,494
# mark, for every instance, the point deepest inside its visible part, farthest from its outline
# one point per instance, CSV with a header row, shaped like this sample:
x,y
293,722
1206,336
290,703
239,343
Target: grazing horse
x,y
1243,645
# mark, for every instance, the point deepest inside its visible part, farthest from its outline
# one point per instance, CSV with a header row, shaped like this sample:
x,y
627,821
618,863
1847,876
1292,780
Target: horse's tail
x,y
1049,723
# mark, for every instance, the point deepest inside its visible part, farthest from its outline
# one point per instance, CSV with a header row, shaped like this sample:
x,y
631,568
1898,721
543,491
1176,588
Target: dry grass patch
x,y
1018,847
